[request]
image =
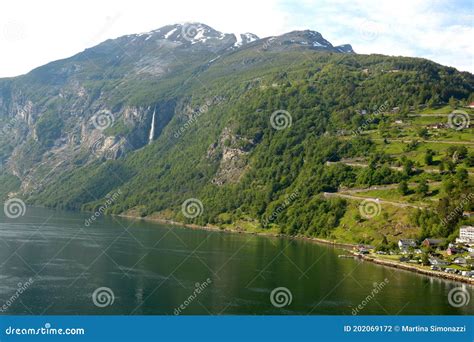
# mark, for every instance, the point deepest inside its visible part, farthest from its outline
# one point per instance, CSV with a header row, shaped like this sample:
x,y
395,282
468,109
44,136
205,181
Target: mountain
x,y
185,111
53,106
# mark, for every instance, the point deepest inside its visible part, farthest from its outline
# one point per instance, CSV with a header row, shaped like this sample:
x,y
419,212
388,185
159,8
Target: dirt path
x,y
381,187
360,198
427,141
397,168
431,115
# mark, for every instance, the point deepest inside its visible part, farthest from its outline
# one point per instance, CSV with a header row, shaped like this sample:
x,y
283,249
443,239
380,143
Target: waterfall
x,y
152,128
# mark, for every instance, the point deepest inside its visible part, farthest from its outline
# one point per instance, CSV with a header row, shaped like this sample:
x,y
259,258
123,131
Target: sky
x,y
33,33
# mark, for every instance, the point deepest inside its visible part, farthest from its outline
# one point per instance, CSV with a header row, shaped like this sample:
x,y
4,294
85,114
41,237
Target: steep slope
x,y
243,125
99,103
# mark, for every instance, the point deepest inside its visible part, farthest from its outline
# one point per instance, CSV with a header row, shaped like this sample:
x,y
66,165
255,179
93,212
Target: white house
x,y
437,261
460,261
466,234
405,243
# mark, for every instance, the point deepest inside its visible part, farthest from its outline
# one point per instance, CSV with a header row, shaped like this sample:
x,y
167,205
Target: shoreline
x,y
345,246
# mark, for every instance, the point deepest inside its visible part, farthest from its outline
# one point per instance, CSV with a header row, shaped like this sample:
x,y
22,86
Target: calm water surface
x,y
154,269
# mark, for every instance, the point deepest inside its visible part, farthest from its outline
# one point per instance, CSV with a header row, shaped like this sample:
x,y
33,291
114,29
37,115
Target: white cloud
x,y
33,33
437,30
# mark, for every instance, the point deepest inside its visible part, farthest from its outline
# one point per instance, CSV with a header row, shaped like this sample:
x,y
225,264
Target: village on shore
x,y
455,258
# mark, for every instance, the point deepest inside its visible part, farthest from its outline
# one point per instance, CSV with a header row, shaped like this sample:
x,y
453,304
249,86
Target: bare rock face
x,y
231,151
118,96
71,129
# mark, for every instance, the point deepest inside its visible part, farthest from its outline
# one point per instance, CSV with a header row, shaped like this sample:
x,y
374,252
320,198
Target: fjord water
x,y
153,269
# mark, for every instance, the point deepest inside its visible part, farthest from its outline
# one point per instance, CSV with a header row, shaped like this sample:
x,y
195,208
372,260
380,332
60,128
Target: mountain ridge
x,y
76,130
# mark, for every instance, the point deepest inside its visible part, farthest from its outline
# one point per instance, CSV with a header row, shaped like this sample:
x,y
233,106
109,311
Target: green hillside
x,y
347,121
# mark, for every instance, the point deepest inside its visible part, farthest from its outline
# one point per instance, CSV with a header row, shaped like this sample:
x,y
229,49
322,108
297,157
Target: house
x,y
470,105
437,262
460,261
432,242
404,244
466,234
399,122
453,250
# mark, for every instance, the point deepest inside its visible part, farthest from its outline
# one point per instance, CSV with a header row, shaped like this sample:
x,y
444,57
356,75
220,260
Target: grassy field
x,y
444,110
393,222
394,195
393,138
